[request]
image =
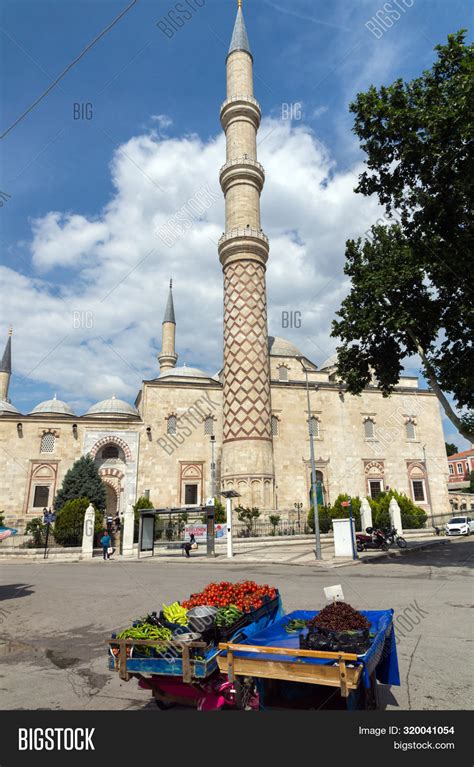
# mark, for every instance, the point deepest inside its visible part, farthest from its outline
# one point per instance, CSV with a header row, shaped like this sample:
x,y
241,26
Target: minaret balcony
x,y
243,170
244,243
240,108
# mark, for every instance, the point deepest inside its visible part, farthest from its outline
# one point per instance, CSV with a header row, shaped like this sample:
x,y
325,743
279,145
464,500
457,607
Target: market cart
x,y
187,673
286,675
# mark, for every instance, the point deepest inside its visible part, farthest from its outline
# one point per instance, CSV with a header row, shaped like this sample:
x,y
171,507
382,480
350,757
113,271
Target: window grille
x,y
47,442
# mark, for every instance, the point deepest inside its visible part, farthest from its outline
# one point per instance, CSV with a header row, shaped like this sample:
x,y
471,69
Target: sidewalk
x,y
292,554
299,552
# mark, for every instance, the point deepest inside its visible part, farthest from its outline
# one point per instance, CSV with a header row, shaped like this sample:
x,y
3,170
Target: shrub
x,y
70,522
247,516
37,529
338,511
141,503
324,516
411,514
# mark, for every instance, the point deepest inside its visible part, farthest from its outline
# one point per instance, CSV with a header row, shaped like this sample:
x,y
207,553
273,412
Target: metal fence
x,y
264,529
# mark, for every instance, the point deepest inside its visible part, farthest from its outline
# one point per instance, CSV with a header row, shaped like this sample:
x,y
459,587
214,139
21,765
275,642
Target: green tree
x,y
248,516
2,518
274,520
451,448
220,512
82,481
69,522
408,294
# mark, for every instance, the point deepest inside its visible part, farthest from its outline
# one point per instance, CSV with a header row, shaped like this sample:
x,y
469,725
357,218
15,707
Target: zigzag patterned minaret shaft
x,y
247,460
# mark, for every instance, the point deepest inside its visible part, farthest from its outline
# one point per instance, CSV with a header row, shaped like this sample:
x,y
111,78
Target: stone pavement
x,y
293,553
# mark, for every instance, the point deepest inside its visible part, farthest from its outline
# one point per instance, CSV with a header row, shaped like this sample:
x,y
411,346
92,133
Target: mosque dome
x,y
331,362
112,406
7,407
280,347
55,405
185,372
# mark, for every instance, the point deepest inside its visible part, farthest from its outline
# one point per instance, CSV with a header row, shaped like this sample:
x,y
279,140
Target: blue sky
x,y
82,193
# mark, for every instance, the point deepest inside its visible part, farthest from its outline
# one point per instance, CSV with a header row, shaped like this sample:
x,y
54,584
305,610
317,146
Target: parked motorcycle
x,y
371,539
391,536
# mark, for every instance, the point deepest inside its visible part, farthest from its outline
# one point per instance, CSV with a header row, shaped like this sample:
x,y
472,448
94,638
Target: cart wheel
x,y
164,706
245,690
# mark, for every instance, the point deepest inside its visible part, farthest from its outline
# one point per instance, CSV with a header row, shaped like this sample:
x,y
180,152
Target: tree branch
x,y
431,376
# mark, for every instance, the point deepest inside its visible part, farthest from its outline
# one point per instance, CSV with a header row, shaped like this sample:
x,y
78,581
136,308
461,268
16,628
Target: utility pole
x,y
314,490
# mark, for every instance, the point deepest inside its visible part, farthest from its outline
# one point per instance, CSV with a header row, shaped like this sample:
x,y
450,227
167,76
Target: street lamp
x,y
314,491
213,467
228,495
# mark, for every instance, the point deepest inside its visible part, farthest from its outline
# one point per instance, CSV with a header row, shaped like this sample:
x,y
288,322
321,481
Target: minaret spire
x,y
6,367
168,357
247,449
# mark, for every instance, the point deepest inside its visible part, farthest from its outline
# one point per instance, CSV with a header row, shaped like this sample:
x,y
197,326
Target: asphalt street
x,y
55,620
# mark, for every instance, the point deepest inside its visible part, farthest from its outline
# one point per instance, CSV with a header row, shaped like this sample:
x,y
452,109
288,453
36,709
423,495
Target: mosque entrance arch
x,y
111,500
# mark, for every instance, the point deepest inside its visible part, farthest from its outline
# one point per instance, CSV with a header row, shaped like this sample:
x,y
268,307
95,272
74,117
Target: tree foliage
x,y
451,448
412,515
82,481
410,293
69,522
141,503
248,516
37,529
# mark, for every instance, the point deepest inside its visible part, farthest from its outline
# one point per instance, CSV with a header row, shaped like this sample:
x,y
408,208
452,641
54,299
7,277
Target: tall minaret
x,y
247,455
168,357
6,368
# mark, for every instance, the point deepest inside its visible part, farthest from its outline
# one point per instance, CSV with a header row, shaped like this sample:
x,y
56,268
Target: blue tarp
x,y
381,656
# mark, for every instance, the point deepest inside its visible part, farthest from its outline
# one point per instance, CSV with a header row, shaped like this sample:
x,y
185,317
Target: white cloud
x,y
164,121
98,332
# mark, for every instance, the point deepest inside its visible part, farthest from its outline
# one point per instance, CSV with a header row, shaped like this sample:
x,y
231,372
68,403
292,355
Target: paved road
x,y
55,618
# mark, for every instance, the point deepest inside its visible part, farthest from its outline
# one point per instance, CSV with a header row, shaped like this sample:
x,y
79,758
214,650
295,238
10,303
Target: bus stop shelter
x,y
148,523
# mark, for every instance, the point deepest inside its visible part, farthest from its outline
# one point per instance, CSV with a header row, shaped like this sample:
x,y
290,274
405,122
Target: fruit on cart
x,y
339,616
227,616
175,613
245,595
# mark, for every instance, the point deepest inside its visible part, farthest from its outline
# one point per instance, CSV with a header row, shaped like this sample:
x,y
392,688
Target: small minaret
x,y
167,357
6,368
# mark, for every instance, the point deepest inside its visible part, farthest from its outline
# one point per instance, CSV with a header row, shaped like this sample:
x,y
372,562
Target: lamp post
x,y
213,467
228,495
314,491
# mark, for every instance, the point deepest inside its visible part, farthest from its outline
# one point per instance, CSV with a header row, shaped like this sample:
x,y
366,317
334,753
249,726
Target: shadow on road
x,y
15,590
448,554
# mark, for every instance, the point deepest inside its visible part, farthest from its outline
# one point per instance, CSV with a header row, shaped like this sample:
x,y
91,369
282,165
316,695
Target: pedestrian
x,y
106,543
191,544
